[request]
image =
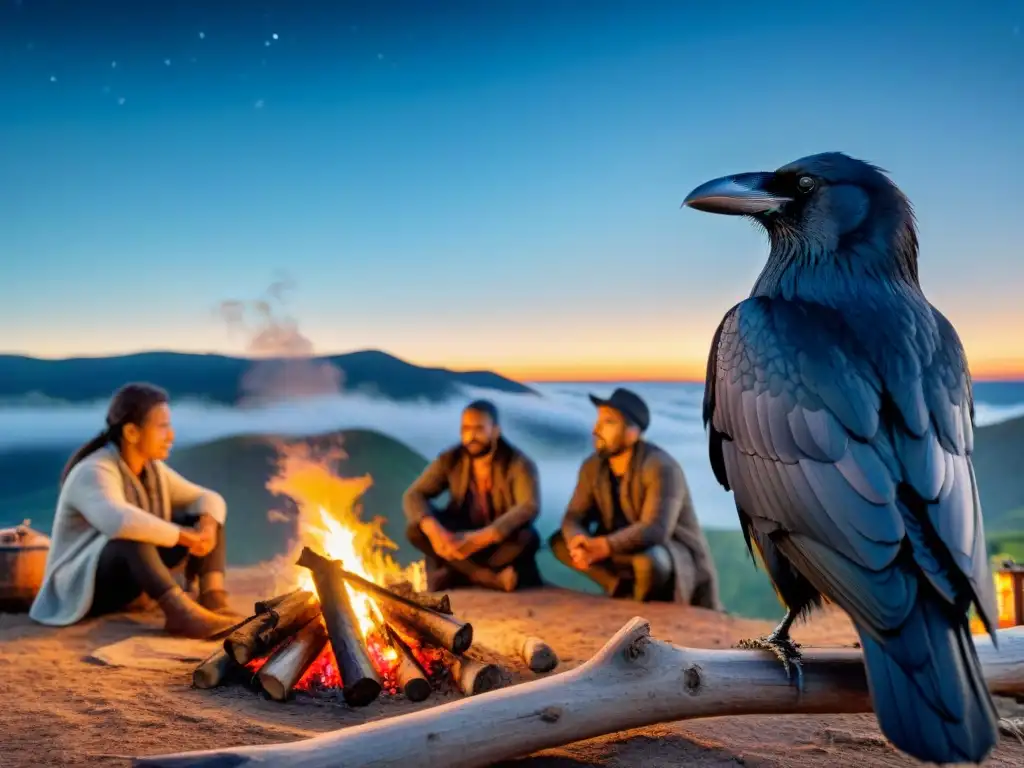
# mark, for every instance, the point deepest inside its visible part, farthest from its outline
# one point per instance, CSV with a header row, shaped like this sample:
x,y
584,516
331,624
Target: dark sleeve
x,y
429,485
525,486
582,506
664,492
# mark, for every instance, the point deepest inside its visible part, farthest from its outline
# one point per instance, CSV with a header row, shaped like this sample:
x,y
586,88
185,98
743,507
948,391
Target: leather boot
x,y
216,600
141,604
186,618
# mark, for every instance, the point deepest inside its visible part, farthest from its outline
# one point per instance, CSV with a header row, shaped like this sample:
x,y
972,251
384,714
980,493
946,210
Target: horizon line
x,y
648,372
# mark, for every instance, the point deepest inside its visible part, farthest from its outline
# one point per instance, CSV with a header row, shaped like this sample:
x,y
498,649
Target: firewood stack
x,y
312,642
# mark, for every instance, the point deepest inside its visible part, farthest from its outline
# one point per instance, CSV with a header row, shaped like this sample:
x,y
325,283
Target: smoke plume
x,y
285,368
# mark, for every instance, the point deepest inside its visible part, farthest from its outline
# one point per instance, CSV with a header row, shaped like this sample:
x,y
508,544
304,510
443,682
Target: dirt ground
x,y
62,708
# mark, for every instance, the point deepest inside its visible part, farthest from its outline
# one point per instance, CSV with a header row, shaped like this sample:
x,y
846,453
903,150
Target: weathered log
x,y
218,667
214,670
256,638
537,655
289,662
263,606
634,681
434,628
411,677
474,677
437,602
360,683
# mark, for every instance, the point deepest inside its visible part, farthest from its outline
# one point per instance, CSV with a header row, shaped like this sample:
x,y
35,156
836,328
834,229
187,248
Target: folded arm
x,y
96,490
582,506
429,485
664,490
200,501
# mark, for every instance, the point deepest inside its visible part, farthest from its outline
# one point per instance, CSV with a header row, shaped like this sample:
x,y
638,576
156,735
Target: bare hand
x,y
598,549
188,538
207,530
578,551
444,542
472,542
586,550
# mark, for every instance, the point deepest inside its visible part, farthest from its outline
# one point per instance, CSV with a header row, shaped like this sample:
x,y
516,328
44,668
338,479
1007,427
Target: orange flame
x,y
330,523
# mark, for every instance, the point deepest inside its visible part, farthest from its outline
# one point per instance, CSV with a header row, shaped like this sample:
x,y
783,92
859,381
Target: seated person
x,y
485,535
124,519
630,525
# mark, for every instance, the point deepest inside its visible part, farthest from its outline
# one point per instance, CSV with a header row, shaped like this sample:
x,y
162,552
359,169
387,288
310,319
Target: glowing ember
x,y
322,673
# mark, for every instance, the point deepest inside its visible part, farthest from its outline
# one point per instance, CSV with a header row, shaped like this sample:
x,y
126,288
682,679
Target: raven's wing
x,y
846,464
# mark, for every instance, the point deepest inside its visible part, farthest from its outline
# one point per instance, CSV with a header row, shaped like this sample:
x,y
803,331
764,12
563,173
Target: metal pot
x,y
23,554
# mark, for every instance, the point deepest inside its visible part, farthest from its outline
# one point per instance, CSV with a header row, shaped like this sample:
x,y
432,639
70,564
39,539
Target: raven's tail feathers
x,y
928,689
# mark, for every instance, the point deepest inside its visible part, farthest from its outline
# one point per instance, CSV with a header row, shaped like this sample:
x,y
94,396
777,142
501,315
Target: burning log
x,y
215,669
259,636
440,603
289,662
634,681
414,619
360,681
409,673
434,628
473,677
534,652
265,606
443,631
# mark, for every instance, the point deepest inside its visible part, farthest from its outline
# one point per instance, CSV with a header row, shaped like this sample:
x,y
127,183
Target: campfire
x,y
317,641
353,621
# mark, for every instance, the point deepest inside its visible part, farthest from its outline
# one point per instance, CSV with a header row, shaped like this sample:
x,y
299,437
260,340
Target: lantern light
x,y
1009,578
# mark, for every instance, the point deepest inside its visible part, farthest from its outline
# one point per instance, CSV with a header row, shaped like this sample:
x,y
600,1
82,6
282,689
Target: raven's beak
x,y
740,195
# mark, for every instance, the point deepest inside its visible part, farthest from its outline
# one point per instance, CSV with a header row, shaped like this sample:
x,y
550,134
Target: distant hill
x,y
999,467
216,378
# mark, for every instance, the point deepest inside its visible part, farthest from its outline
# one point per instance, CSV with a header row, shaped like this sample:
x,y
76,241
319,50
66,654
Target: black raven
x,y
839,409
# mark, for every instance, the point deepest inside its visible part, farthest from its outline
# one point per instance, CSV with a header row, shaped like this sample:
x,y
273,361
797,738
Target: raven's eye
x,y
805,183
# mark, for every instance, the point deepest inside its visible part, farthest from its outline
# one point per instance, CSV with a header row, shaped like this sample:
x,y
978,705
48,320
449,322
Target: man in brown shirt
x,y
630,525
484,536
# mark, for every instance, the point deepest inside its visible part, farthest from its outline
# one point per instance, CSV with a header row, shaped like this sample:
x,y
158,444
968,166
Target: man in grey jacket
x,y
484,536
630,525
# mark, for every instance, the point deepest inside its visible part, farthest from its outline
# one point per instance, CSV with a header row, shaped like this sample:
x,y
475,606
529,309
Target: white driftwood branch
x,y
633,681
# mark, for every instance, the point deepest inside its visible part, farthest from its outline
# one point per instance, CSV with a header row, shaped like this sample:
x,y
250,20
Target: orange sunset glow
x,y
641,347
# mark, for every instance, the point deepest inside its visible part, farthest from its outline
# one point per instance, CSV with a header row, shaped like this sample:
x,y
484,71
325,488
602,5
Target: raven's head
x,y
821,204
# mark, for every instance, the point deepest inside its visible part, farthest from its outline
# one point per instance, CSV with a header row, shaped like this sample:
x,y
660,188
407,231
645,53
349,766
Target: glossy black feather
x,y
848,490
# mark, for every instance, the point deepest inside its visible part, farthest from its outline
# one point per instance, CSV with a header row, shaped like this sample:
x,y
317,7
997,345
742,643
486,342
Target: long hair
x,y
131,404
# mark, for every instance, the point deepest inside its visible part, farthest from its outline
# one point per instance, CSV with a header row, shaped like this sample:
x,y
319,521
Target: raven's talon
x,y
785,650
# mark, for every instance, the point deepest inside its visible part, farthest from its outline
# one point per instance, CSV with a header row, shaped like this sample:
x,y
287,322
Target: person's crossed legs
x,y
647,574
504,566
128,569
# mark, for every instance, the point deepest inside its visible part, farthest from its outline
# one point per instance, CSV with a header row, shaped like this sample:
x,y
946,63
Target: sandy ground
x,y
61,709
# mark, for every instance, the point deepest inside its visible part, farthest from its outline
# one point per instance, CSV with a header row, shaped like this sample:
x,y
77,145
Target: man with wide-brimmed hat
x,y
630,525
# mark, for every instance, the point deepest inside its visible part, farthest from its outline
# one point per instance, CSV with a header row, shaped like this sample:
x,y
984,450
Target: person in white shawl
x,y
125,519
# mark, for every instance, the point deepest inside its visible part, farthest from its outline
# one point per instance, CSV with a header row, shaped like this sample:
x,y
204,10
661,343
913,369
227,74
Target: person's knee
x,y
560,548
557,541
528,540
652,569
417,537
132,551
